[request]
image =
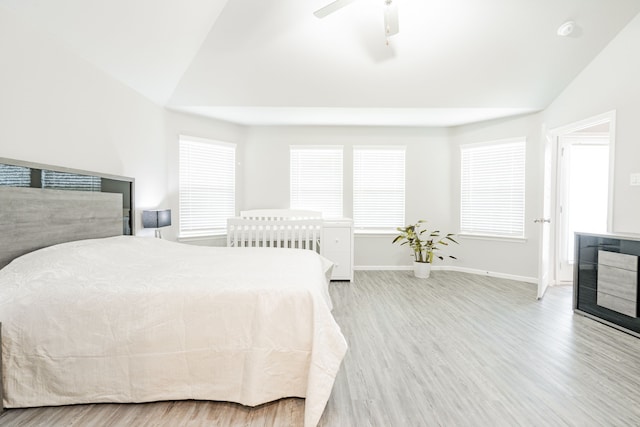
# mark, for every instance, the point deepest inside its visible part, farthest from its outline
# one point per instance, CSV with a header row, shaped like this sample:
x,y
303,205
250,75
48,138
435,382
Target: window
x,y
316,179
21,176
378,187
492,188
207,179
70,181
15,176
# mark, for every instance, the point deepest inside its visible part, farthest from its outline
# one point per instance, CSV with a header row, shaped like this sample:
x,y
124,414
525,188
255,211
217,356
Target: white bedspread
x,y
131,319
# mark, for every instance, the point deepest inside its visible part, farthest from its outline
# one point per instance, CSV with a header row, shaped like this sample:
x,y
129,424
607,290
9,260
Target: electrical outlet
x,y
635,179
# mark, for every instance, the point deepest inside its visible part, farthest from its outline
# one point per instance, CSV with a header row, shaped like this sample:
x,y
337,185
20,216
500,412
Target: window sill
x,y
216,236
493,238
374,232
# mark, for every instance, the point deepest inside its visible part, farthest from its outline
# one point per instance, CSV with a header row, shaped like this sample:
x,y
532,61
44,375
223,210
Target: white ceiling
x,y
272,62
146,44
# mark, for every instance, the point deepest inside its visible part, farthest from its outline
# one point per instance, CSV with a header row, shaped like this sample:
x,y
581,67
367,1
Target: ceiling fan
x,y
391,26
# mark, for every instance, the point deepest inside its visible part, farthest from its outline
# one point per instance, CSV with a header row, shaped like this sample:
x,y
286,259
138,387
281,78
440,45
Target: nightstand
x,y
336,244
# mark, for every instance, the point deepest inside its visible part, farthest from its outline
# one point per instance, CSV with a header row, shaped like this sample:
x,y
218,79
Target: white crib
x,y
289,228
276,228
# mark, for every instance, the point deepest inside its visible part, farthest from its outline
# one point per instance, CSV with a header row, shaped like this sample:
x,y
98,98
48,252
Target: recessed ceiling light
x,y
566,28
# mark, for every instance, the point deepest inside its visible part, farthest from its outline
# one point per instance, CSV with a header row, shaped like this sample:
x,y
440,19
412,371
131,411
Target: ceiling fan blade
x,y
391,25
331,7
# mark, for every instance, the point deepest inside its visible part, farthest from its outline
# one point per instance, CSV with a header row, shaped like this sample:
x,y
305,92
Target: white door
x,y
583,193
544,221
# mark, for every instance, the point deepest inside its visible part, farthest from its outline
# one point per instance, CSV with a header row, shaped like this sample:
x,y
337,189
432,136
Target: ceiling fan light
x,y
391,26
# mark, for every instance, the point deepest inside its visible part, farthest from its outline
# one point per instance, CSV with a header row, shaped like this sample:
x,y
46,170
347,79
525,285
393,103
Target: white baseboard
x,y
383,267
449,268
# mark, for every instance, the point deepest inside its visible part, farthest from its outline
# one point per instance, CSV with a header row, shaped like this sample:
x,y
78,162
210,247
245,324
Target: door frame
x,y
555,135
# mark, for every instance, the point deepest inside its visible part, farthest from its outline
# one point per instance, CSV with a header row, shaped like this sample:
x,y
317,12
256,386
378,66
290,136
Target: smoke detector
x,y
567,28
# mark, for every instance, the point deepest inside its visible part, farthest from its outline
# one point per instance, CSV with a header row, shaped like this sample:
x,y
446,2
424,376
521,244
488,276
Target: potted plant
x,y
424,246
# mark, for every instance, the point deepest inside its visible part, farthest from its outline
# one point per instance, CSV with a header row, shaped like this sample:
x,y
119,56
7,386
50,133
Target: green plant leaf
x,y
423,250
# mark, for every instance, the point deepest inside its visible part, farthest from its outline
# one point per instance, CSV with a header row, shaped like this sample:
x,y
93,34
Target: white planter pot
x,y
422,270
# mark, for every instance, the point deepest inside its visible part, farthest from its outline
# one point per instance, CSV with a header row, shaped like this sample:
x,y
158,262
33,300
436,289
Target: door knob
x,y
542,220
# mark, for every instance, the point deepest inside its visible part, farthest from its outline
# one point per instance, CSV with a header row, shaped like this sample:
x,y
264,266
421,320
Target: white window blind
x,y
492,188
207,178
316,179
378,187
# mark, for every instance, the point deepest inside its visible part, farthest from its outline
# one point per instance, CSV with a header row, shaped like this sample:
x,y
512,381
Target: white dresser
x,y
336,244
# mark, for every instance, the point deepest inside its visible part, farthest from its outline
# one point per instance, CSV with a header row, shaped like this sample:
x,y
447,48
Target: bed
x,y
133,319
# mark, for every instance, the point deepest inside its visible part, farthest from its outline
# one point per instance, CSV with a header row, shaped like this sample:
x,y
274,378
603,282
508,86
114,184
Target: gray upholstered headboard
x,y
42,205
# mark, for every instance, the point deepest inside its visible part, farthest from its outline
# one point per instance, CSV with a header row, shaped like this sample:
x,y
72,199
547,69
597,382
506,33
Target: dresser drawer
x,y
618,282
336,239
336,244
614,259
617,304
341,264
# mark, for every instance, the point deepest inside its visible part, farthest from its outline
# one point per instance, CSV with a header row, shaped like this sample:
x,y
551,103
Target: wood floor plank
x,y
452,350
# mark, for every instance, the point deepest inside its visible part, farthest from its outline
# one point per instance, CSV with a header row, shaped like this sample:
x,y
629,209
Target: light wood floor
x,y
453,350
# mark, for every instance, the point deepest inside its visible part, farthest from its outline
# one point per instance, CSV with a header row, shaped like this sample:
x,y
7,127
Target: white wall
x,y
266,176
509,257
611,82
58,109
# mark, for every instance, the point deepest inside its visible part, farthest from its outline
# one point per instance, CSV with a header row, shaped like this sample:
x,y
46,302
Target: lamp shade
x,y
156,219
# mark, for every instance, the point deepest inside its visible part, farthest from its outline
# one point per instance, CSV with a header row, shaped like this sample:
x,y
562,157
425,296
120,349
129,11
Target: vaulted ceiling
x,y
273,62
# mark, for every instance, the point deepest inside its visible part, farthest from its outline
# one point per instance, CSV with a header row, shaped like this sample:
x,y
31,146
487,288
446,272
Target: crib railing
x,y
274,233
277,214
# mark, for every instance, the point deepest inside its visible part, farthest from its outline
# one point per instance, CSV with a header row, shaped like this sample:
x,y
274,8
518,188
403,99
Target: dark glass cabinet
x,y
606,279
